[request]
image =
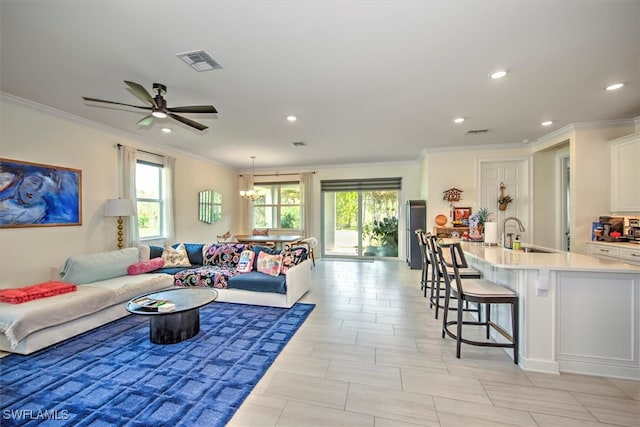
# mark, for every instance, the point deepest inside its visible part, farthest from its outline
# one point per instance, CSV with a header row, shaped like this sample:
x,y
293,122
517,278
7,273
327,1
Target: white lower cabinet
x,y
615,253
630,256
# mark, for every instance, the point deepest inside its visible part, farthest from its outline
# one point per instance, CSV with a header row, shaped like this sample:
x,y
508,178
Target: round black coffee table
x,y
180,324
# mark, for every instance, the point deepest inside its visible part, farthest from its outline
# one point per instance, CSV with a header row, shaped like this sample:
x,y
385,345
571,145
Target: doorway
x,y
565,204
360,223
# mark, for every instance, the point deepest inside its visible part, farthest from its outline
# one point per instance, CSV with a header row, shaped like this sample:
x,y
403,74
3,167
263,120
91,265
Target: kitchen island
x,y
578,313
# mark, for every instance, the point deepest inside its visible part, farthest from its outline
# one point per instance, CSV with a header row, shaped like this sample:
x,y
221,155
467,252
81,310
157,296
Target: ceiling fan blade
x,y
206,109
189,122
145,121
141,92
112,102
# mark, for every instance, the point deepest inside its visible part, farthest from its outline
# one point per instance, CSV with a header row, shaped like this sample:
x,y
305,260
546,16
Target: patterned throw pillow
x,y
245,264
175,257
292,257
145,266
222,254
269,264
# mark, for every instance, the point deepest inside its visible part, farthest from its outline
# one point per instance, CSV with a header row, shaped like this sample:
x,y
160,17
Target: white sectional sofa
x,y
103,288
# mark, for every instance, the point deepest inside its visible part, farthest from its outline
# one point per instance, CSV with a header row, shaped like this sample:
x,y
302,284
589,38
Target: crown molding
x,y
99,126
572,127
483,147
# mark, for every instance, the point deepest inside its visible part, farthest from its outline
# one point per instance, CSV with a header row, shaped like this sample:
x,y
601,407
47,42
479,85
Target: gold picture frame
x,y
39,195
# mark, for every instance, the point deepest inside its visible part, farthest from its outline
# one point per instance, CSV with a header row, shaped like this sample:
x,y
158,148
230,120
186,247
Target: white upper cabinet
x,y
625,174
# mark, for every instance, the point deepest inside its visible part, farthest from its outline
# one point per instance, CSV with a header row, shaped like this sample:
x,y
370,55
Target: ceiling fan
x,y
159,107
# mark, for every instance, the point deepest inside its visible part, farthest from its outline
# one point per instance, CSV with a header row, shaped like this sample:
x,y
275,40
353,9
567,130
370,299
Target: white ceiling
x,y
371,81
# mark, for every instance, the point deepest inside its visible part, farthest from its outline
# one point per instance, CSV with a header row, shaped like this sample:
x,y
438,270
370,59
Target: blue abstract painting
x,y
35,195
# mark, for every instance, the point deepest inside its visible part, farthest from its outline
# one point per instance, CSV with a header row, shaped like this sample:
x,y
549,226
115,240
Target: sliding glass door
x,y
360,223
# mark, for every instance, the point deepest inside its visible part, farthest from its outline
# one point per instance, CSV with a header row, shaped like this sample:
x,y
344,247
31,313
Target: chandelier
x,y
251,193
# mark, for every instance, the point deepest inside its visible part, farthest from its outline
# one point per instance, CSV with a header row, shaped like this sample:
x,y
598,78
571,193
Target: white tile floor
x,y
370,354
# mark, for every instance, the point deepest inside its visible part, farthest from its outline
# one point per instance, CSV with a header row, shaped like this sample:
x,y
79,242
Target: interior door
x,y
515,176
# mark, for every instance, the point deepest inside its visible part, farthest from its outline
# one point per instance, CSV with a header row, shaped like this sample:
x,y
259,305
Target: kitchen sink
x,y
536,250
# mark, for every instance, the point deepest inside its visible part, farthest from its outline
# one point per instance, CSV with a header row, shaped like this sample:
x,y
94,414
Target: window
x,y
150,199
278,207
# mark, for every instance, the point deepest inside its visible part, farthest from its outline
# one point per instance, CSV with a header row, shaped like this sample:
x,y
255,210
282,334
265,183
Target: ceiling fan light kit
x,y
158,106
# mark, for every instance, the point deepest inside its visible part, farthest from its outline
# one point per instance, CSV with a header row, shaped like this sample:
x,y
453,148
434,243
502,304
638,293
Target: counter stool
x,y
437,283
478,291
424,278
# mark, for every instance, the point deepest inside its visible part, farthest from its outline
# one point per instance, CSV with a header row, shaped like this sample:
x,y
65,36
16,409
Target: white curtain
x,y
244,226
306,189
127,161
169,164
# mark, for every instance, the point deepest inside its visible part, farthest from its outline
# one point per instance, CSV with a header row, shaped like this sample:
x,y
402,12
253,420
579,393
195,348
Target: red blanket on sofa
x,y
29,293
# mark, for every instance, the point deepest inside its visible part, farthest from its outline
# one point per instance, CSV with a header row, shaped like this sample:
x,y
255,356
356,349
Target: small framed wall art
x,y
461,214
38,195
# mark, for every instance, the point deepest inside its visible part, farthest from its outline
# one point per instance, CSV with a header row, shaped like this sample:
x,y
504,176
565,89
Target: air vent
x,y
298,144
199,60
477,131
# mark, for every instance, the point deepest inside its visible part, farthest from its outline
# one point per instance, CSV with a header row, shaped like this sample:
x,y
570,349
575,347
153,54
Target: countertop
x,y
558,260
626,245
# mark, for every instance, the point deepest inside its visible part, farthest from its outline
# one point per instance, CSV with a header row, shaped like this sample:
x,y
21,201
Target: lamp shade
x,y
119,207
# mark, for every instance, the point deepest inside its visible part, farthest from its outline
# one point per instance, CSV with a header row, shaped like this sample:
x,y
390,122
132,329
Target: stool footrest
x,y
480,343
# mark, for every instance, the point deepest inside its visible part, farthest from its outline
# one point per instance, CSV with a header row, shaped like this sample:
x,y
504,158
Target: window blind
x,y
363,184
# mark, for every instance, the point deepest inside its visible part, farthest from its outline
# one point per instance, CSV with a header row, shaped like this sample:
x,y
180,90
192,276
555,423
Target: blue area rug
x,y
114,376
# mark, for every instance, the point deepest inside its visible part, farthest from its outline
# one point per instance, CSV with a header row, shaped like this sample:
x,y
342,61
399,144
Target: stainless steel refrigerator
x,y
416,218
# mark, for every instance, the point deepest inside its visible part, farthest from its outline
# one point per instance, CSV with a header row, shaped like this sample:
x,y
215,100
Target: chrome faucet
x,y
506,244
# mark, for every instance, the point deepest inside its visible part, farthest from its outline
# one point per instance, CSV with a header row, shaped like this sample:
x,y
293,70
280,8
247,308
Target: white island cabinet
x,y
577,313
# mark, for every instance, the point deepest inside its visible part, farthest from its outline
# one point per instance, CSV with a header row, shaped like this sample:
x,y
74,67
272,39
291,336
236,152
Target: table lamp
x,y
119,208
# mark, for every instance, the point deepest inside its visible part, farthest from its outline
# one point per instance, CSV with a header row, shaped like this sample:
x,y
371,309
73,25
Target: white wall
x,y
590,174
34,134
411,189
547,209
459,169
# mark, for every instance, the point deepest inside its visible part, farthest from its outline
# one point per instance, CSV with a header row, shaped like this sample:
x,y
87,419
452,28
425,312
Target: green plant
x,y
368,235
287,220
505,200
386,231
480,217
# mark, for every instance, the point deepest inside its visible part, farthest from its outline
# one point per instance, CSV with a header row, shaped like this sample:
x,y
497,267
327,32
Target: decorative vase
x,y
476,232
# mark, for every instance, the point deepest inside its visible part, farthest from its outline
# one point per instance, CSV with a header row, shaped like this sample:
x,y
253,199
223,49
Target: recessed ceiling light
x,y
615,86
458,120
166,130
547,123
292,118
498,74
